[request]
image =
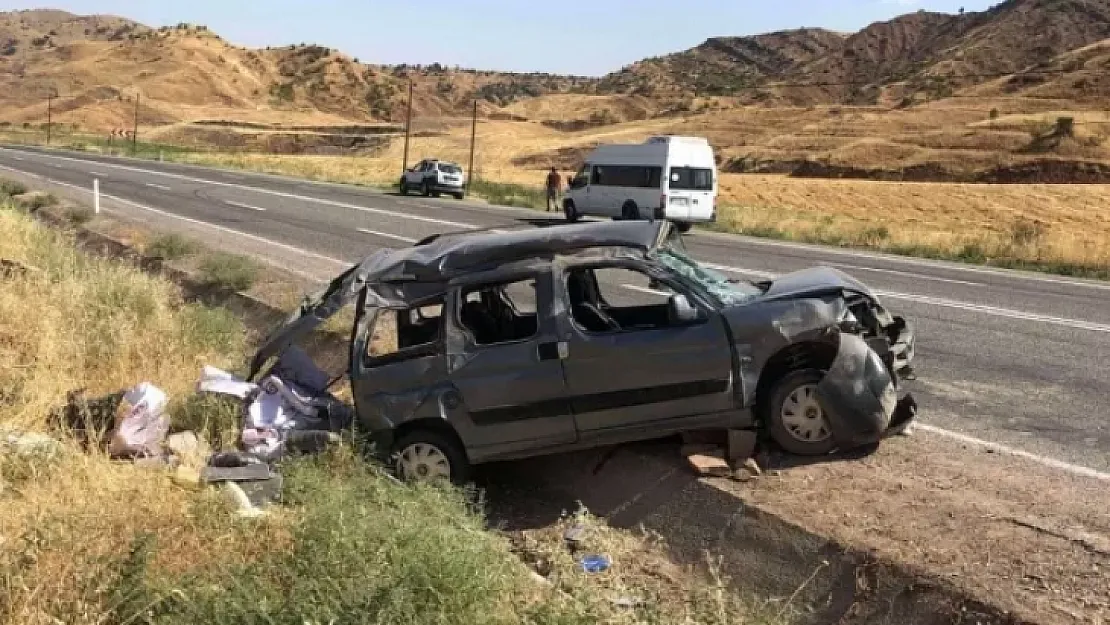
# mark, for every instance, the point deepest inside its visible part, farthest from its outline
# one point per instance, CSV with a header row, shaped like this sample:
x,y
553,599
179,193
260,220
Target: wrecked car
x,y
482,346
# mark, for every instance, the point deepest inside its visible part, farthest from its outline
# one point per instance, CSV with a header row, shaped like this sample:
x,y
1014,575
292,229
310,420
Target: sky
x,y
585,38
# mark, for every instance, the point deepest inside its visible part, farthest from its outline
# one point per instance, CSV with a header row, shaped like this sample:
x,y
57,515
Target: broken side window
x,y
500,313
624,300
398,333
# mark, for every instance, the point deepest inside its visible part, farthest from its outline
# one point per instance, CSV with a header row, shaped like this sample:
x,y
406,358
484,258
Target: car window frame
x,y
432,348
457,298
677,286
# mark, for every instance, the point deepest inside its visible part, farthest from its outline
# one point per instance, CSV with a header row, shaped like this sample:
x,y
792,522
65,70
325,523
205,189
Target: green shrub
x,y
171,247
229,271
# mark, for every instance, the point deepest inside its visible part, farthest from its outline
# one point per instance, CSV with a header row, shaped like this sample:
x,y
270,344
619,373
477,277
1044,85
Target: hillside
x,y
97,63
914,57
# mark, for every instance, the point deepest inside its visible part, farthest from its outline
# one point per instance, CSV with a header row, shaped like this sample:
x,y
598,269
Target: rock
x,y
29,444
753,466
187,477
574,536
183,443
709,464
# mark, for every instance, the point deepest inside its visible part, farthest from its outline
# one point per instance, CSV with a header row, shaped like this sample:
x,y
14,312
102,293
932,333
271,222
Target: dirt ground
x,y
1026,537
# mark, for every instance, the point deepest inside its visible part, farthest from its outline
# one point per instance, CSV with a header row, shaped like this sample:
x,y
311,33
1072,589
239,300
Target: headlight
x,y
848,322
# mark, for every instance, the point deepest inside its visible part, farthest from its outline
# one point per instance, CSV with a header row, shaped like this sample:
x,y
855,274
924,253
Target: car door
x,y
504,361
415,177
599,193
649,371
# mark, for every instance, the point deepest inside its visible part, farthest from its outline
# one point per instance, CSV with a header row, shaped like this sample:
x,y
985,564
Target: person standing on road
x,y
554,182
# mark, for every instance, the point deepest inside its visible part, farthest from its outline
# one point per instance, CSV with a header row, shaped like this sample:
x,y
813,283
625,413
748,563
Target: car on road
x,y
481,346
665,177
431,177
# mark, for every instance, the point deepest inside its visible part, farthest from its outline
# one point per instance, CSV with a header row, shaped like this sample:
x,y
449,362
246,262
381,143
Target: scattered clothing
x,y
143,425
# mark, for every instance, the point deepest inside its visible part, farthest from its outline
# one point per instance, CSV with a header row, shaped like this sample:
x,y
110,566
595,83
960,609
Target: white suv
x,y
433,177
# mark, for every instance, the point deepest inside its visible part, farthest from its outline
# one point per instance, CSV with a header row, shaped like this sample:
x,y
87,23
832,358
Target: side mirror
x,y
680,310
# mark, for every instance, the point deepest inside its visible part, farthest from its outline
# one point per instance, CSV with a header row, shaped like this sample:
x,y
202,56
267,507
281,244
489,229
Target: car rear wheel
x,y
683,226
404,188
630,211
571,211
458,196
795,418
426,189
428,456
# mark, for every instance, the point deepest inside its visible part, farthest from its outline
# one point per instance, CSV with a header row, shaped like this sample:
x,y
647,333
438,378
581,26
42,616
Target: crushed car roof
x,y
450,255
403,276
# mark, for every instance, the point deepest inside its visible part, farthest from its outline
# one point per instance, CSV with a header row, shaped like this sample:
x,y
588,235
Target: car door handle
x,y
555,350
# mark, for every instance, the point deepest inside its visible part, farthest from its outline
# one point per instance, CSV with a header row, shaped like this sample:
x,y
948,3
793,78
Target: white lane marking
x,y
908,274
1000,312
98,174
18,158
1010,313
644,289
387,235
270,242
988,310
1044,460
158,186
293,196
22,173
55,165
1011,451
919,262
241,205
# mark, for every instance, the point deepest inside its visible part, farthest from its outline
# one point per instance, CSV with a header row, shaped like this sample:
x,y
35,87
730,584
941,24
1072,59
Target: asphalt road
x,y
1008,357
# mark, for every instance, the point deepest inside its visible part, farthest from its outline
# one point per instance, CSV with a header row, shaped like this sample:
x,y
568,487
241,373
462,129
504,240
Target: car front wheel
x,y
428,456
404,188
795,418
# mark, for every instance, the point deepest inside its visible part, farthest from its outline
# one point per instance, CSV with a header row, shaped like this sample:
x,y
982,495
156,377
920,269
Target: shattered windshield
x,y
728,292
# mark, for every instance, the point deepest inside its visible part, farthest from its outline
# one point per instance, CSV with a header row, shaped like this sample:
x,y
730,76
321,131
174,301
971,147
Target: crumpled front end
x,y
859,393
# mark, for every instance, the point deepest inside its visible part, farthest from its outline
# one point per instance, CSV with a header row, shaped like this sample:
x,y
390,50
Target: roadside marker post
x,y
96,196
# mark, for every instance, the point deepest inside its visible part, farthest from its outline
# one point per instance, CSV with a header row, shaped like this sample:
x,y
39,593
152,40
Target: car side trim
x,y
597,402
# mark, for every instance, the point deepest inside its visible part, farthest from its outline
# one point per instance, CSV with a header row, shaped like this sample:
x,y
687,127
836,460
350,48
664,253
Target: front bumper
x,y
860,391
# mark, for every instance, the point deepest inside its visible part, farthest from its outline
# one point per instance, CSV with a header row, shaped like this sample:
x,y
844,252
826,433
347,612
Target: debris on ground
x,y
709,463
142,423
747,471
290,409
595,563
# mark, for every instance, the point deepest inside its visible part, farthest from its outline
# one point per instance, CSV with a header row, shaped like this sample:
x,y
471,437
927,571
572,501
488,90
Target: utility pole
x,y
135,129
408,131
49,113
473,137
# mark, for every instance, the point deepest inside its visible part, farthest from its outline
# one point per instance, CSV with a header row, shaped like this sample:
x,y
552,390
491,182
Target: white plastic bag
x,y
143,423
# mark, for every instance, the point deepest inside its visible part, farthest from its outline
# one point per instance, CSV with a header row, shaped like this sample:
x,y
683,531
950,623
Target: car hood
x,y
812,282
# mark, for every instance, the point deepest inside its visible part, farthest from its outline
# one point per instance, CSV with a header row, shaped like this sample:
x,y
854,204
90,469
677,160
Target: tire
x,y
444,452
683,226
571,211
426,189
458,196
629,211
403,187
790,419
